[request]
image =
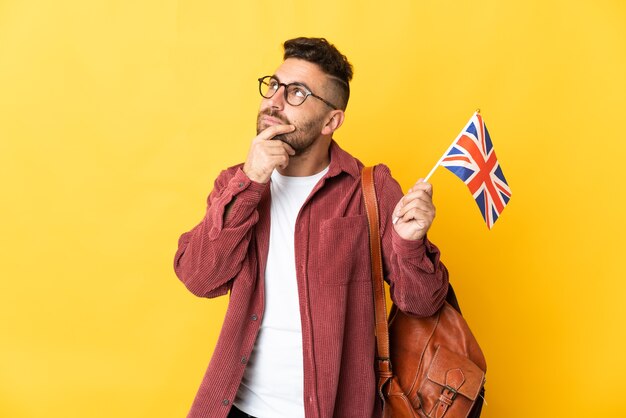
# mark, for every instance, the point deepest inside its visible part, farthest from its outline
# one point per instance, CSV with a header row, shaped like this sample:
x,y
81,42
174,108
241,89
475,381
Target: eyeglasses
x,y
295,93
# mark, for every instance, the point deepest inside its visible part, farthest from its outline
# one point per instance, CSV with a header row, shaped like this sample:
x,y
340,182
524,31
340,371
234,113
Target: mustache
x,y
270,112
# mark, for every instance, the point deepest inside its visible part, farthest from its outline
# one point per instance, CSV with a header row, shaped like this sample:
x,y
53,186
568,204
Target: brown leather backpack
x,y
438,367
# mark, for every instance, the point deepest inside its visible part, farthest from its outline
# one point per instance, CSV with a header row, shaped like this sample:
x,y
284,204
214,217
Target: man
x,y
286,234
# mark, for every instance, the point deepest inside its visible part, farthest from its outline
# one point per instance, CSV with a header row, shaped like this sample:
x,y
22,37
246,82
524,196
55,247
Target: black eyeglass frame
x,y
285,94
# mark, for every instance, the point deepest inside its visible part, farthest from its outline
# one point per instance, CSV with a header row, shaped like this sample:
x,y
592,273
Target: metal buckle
x,y
450,389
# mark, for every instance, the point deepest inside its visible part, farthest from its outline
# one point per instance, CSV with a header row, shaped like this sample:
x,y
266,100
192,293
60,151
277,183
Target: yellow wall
x,y
115,117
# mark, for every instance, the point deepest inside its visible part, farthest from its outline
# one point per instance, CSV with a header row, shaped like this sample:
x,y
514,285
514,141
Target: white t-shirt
x,y
273,382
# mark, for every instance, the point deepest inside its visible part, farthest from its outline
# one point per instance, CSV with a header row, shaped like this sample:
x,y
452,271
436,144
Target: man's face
x,y
309,117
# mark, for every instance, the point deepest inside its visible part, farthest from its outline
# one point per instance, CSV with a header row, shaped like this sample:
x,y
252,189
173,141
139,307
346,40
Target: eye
x,y
298,91
272,84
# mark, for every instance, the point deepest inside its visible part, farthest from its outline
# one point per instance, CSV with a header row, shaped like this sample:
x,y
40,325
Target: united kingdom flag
x,y
473,159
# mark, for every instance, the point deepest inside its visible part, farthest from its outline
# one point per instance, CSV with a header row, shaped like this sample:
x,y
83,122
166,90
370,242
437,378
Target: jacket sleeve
x,y
418,280
212,253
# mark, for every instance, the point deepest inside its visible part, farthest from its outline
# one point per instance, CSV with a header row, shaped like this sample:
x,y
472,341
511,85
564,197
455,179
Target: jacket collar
x,y
340,161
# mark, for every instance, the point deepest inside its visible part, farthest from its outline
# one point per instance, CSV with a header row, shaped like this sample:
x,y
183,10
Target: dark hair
x,y
319,51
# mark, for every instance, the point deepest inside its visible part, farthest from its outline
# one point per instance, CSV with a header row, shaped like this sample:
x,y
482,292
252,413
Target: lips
x,y
272,120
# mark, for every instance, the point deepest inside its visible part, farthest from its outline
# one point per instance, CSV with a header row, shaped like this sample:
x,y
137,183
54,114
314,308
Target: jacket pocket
x,y
344,251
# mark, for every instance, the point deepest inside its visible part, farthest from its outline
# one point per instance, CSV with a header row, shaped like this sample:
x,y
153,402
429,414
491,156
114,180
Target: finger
x,y
281,161
416,213
277,147
277,159
420,191
394,219
422,185
280,152
419,199
425,206
407,218
422,204
274,130
272,147
420,195
287,148
421,218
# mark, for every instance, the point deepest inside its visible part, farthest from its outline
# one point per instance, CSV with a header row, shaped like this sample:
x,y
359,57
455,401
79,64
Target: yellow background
x,y
116,116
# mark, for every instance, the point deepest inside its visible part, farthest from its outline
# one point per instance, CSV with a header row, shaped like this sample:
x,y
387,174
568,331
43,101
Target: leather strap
x,y
380,308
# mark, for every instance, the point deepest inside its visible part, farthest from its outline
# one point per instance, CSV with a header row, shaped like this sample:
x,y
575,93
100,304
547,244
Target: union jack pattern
x,y
473,159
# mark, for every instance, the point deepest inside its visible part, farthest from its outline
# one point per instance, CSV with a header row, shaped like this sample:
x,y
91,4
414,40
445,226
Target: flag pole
x,y
395,219
450,147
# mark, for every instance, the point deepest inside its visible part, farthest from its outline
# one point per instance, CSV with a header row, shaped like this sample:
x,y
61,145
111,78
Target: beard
x,y
301,139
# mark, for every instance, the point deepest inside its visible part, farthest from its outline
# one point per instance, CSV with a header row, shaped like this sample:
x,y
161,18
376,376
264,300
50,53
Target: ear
x,y
333,122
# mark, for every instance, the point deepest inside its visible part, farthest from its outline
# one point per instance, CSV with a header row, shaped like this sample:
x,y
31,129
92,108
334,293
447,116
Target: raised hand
x,y
266,154
415,212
